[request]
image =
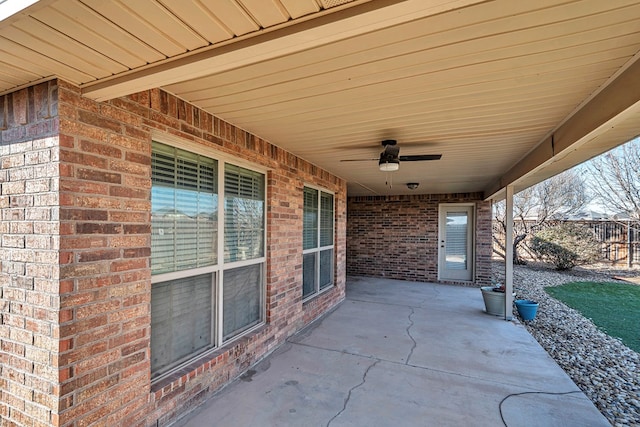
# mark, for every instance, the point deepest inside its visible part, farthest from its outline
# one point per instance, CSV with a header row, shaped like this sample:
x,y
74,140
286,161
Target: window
x,y
200,300
184,210
244,214
243,246
317,254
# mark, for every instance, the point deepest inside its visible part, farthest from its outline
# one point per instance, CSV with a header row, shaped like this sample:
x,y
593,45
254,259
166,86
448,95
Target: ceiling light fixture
x,y
389,165
412,185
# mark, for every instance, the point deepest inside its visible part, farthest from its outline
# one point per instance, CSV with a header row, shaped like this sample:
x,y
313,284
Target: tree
x,y
555,198
566,245
614,179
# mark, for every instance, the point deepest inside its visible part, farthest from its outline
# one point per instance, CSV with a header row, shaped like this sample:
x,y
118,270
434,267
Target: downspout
x,y
508,256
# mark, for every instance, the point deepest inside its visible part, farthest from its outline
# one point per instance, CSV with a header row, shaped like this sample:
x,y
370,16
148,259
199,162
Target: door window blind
x,y
456,241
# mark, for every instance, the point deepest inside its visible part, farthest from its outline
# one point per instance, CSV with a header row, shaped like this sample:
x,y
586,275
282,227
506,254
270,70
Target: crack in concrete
x,y
346,400
415,344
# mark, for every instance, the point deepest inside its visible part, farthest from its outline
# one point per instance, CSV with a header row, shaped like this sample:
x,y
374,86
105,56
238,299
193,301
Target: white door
x,y
455,242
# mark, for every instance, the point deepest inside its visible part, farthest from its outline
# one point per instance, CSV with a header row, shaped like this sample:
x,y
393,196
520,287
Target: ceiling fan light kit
x,y
390,158
389,165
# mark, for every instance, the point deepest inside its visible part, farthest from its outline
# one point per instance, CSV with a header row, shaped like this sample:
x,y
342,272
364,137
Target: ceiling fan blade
x,y
420,157
358,160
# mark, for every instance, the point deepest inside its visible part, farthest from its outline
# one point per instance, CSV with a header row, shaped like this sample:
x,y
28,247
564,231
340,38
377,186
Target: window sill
x,y
318,294
202,364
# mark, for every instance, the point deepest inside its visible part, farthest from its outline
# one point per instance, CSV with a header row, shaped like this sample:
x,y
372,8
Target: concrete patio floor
x,y
400,353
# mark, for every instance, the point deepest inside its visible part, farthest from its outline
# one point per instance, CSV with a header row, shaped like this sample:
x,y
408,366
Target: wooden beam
x,y
298,35
609,107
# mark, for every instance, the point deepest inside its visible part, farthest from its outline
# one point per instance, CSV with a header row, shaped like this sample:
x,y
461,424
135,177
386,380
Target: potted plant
x,y
493,297
527,309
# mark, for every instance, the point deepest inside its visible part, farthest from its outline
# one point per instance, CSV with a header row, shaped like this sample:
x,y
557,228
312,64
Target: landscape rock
x,y
605,369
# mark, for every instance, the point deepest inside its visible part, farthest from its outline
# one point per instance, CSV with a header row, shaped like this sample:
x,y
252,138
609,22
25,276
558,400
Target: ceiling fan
x,y
390,157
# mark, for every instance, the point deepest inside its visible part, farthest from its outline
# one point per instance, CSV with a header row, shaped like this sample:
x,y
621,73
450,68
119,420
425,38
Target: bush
x,y
566,245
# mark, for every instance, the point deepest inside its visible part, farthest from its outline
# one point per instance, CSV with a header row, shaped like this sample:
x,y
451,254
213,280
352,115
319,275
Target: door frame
x,y
443,207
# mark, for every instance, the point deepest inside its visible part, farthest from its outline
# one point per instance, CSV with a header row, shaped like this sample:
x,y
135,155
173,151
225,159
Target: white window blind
x,y
310,226
308,274
318,230
181,320
242,299
326,219
456,241
326,268
244,214
184,210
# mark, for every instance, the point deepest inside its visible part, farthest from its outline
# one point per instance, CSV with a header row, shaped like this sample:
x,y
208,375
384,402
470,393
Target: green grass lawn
x,y
613,307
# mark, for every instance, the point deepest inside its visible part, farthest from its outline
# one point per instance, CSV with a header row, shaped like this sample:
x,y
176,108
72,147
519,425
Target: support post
x,y
629,245
508,257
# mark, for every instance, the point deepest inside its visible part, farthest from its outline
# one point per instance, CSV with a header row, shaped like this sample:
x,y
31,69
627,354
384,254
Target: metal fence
x,y
620,240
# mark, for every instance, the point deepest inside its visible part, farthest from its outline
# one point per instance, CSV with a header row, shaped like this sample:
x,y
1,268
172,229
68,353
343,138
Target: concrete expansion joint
x,y
348,398
392,304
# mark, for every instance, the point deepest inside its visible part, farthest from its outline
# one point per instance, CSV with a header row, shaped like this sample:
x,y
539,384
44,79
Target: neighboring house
x,y
173,195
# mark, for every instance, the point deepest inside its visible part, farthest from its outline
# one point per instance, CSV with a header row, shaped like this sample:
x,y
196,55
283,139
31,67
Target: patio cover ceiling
x,y
509,92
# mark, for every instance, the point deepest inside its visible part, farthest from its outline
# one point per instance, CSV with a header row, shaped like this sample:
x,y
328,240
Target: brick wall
x,y
397,236
29,256
104,261
92,347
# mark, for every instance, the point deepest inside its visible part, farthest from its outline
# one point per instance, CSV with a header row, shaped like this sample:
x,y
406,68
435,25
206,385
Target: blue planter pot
x,y
526,309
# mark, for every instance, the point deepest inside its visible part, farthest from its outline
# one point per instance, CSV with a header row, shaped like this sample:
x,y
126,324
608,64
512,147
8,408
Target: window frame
x,y
217,270
318,249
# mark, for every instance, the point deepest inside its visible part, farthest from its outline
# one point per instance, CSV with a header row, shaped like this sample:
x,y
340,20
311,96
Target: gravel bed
x,y
606,370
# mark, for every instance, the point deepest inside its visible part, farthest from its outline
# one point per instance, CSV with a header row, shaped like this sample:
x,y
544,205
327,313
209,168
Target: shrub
x,y
566,245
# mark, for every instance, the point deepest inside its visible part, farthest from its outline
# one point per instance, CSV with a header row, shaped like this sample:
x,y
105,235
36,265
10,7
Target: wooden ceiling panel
x,y
41,38
266,12
298,8
15,75
200,18
65,20
347,95
28,59
103,35
135,23
398,61
156,16
234,16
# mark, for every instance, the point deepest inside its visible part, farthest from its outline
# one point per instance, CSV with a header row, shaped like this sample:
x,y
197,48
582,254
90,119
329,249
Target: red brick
x,y
136,193
98,228
79,158
136,252
84,187
130,143
98,255
100,149
97,175
84,214
128,167
128,216
93,119
83,242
